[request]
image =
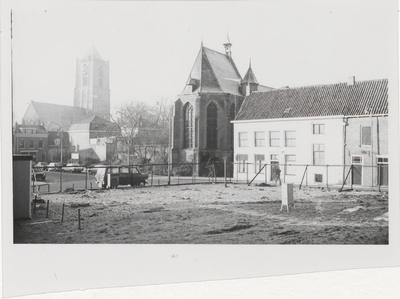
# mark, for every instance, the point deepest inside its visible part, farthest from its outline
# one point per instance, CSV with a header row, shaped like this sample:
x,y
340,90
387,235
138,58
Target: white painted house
x,y
311,133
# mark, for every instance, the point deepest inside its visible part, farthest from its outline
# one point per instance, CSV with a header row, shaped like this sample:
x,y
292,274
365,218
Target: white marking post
x,y
287,196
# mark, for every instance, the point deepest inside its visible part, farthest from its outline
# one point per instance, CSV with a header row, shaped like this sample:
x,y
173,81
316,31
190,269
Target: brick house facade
x,y
31,140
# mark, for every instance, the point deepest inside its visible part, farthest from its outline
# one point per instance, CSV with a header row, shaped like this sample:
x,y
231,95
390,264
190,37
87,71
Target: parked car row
x,y
54,166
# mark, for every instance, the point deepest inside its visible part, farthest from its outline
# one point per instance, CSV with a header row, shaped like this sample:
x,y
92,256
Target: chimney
x,y
352,81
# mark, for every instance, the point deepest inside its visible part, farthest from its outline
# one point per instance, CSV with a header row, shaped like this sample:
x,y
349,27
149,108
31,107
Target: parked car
x,y
54,166
113,176
72,167
40,166
38,175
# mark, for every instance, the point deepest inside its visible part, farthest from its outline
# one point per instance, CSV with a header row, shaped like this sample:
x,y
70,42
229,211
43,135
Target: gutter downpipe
x,y
344,147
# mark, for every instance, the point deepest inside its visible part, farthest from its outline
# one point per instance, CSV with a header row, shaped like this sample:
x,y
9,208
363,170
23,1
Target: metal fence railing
x,y
343,176
60,179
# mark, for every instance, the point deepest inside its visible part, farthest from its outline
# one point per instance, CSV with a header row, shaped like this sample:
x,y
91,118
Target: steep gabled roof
x,y
361,98
214,72
250,77
52,116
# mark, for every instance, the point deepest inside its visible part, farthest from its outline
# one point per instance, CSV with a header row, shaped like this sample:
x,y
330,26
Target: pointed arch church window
x,y
84,99
101,76
188,125
212,116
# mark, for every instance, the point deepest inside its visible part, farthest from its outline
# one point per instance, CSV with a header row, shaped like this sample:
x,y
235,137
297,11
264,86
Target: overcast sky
x,y
152,46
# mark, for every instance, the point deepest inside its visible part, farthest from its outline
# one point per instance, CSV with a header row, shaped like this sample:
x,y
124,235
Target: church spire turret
x,y
228,45
249,82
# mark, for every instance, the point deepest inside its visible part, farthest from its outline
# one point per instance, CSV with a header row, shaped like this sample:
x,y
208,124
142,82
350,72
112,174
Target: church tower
x,y
92,86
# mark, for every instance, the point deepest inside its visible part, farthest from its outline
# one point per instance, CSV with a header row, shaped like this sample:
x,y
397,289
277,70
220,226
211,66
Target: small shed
x,y
22,186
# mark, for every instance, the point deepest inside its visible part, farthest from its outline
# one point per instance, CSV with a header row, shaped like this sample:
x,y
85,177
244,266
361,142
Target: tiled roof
x,y
39,129
53,115
215,72
94,123
361,98
265,88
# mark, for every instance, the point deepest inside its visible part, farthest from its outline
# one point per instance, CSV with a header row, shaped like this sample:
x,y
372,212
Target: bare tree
x,y
144,129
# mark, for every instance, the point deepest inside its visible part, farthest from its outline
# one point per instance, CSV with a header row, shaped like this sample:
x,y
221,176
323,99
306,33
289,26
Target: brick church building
x,y
80,123
202,131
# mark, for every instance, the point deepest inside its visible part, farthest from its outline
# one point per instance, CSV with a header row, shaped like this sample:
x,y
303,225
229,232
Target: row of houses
x,y
89,138
324,128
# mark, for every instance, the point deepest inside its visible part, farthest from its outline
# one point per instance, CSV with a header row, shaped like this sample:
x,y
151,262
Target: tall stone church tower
x,y
92,87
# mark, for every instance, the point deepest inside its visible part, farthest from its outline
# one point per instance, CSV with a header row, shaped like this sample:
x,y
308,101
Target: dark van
x,y
114,176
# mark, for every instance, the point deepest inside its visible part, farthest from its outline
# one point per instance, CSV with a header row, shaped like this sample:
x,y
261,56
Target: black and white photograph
x,y
249,138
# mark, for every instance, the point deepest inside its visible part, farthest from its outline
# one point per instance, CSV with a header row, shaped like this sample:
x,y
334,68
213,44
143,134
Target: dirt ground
x,y
208,214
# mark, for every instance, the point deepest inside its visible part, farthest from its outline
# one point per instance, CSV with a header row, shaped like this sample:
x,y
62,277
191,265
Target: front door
x,y
383,167
356,174
274,165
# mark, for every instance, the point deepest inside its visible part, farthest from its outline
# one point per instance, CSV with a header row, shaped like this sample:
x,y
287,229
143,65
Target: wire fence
x,y
61,179
342,176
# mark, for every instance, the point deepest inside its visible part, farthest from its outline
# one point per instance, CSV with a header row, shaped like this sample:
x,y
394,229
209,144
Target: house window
x,y
188,125
243,138
318,128
287,110
243,163
259,163
274,138
212,123
290,138
383,160
366,135
21,143
318,154
31,143
356,160
40,143
318,178
28,131
259,139
274,157
290,159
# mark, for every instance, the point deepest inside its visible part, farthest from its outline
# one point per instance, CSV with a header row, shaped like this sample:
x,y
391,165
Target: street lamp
x,y
60,132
